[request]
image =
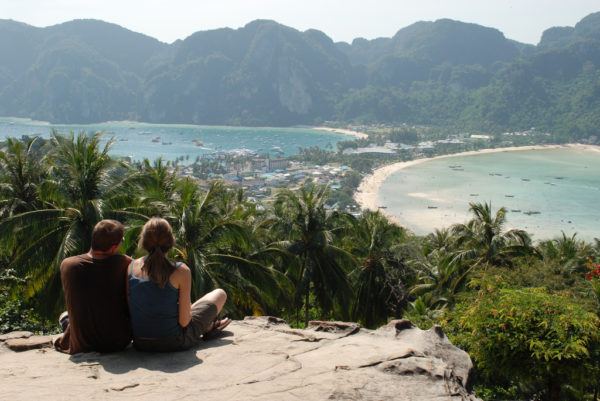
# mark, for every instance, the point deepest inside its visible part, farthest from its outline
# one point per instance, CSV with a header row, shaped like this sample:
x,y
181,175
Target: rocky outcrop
x,y
26,343
256,359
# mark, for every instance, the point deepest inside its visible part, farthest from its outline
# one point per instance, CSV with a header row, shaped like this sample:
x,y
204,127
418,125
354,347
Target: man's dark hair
x,y
106,234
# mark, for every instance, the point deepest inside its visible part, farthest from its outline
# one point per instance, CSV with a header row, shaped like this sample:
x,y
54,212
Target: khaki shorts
x,y
203,316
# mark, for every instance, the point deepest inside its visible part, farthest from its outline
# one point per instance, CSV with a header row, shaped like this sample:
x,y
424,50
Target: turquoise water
x,y
563,185
174,140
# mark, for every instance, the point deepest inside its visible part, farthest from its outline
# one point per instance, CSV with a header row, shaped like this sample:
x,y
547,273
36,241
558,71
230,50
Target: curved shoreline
x,y
367,193
355,134
30,121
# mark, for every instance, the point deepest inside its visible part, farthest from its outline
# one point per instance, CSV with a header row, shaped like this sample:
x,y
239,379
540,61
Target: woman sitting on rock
x,y
162,315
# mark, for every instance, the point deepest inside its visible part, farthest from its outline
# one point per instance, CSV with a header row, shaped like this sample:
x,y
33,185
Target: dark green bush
x,y
528,337
16,314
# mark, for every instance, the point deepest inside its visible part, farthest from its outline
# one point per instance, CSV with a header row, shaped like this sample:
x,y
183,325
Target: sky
x,y
342,20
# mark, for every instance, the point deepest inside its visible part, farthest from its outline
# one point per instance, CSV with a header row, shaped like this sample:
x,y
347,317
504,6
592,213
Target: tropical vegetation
x,y
528,313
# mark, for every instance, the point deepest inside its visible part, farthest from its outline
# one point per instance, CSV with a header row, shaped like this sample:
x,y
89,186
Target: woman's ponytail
x,y
157,239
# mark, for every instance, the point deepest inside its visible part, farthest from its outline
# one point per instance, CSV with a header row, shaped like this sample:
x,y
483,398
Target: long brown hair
x,y
157,239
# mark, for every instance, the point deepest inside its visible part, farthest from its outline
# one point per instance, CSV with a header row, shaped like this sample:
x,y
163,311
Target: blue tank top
x,y
154,310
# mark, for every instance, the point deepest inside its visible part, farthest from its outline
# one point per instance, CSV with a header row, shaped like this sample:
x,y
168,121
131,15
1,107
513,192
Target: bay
x,y
169,141
545,191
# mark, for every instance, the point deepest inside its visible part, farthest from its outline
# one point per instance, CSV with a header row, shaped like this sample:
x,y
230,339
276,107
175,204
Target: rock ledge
x,y
256,359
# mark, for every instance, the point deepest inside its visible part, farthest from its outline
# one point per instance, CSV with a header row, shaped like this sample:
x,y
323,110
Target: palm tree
x,y
483,239
440,274
214,239
449,256
440,277
21,173
82,178
151,188
157,185
422,313
566,253
320,265
439,241
373,241
212,235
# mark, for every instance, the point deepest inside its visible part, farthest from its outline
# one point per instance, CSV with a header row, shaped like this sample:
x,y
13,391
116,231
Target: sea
x,y
545,192
171,141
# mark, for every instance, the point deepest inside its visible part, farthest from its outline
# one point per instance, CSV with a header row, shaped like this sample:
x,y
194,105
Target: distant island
x,y
444,73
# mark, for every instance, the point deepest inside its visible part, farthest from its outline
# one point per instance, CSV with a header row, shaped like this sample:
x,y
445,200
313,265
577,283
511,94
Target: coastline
x,y
355,134
367,193
30,121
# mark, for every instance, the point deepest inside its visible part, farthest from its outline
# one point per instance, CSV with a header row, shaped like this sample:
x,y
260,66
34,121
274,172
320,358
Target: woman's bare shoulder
x,y
182,268
137,265
182,274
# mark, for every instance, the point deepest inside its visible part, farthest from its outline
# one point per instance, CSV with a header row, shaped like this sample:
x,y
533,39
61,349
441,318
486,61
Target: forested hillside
x,y
437,73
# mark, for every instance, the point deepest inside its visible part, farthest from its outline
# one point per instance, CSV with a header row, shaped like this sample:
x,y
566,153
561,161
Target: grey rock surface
x,y
15,334
28,343
256,359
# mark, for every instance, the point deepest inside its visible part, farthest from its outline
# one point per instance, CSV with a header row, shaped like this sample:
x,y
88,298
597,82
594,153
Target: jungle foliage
x,y
527,312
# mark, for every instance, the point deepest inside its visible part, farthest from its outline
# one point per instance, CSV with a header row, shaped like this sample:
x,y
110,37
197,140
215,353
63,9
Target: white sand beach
x,y
367,194
356,134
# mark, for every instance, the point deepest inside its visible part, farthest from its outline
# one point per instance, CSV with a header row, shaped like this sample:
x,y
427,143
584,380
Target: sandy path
x,y
367,194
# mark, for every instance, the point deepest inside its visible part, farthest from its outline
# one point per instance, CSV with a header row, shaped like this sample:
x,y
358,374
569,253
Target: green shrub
x,y
530,338
16,314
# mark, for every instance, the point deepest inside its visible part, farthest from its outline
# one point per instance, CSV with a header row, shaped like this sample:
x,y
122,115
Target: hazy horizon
x,y
353,19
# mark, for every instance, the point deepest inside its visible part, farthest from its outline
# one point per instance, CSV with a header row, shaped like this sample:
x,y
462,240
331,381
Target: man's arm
x,y
63,343
129,264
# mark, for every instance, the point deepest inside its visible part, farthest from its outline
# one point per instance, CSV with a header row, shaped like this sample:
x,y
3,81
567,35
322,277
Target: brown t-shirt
x,y
96,299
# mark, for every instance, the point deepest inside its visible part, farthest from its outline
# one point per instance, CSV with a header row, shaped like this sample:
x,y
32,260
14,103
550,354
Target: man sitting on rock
x,y
95,287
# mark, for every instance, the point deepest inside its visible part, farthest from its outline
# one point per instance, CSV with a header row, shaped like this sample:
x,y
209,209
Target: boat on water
x,y
525,179
473,194
515,210
530,212
167,143
432,207
123,139
559,178
156,140
509,196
